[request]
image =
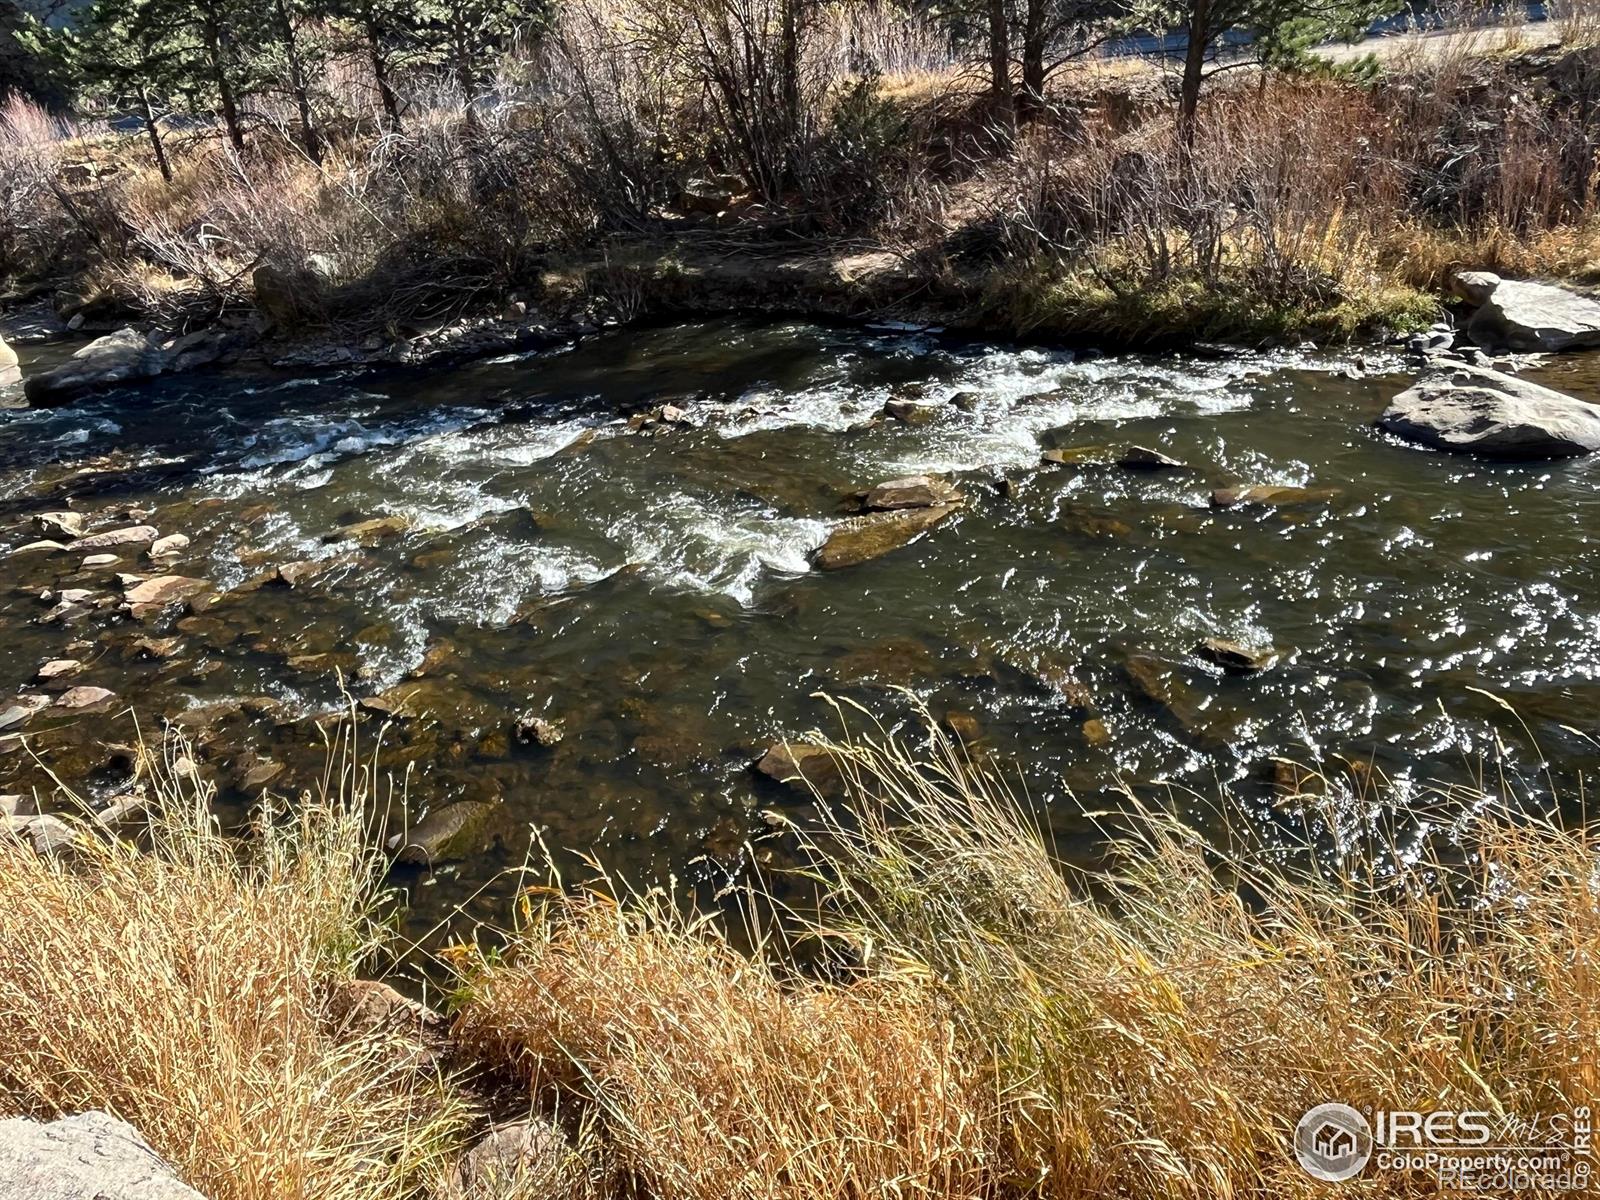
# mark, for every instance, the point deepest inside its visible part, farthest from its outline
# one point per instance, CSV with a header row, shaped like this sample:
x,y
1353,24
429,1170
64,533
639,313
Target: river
x,y
650,590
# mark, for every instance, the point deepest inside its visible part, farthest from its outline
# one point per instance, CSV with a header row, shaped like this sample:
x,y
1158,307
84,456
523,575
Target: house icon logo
x,y
1333,1142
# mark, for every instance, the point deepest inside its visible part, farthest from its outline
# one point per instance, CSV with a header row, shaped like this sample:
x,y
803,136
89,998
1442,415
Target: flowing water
x,y
651,590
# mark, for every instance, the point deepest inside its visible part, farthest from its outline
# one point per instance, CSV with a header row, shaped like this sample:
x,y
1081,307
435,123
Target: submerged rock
x,y
57,668
91,1156
1142,458
533,730
1270,496
861,539
453,832
914,491
1473,410
370,533
910,412
170,546
802,766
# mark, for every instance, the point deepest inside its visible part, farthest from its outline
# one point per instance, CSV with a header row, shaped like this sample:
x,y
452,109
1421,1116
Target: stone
x,y
1521,315
1157,683
154,649
861,539
1234,657
909,412
914,491
965,401
1473,286
802,767
95,561
293,574
1142,458
116,358
532,730
19,710
963,726
289,294
528,1157
57,668
1079,456
46,835
10,367
1475,410
256,772
1270,496
113,539
41,547
453,832
90,1156
60,525
156,595
705,196
85,696
170,546
370,533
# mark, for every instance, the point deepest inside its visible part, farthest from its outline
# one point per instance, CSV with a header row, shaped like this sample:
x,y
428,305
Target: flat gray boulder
x,y
126,356
1473,410
1519,315
92,1156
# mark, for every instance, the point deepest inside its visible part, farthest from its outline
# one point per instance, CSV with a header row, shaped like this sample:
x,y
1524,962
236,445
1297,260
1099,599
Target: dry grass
x,y
186,990
1012,1028
983,1021
718,1075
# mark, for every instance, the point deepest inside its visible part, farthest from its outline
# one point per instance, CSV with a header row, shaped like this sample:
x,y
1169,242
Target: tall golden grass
x,y
186,987
971,1017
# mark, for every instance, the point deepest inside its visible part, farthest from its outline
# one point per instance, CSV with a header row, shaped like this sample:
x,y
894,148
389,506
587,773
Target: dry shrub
x,y
716,1076
185,989
30,152
1158,1030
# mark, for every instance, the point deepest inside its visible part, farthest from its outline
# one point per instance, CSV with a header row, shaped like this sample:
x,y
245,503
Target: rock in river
x,y
85,697
60,525
914,491
860,539
453,832
802,767
122,357
1520,315
132,535
153,595
1270,496
1142,458
1234,657
1473,410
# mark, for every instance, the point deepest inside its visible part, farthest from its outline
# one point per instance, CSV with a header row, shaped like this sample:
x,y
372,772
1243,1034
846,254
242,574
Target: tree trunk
x,y
1031,101
1194,63
999,52
297,81
211,33
789,83
154,134
461,47
380,73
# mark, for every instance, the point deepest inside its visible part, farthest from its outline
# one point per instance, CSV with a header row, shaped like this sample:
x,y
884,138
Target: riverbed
x,y
526,537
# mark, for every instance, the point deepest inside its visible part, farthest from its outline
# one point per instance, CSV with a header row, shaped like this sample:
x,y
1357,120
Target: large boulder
x,y
1473,410
126,356
1519,315
92,1156
10,369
